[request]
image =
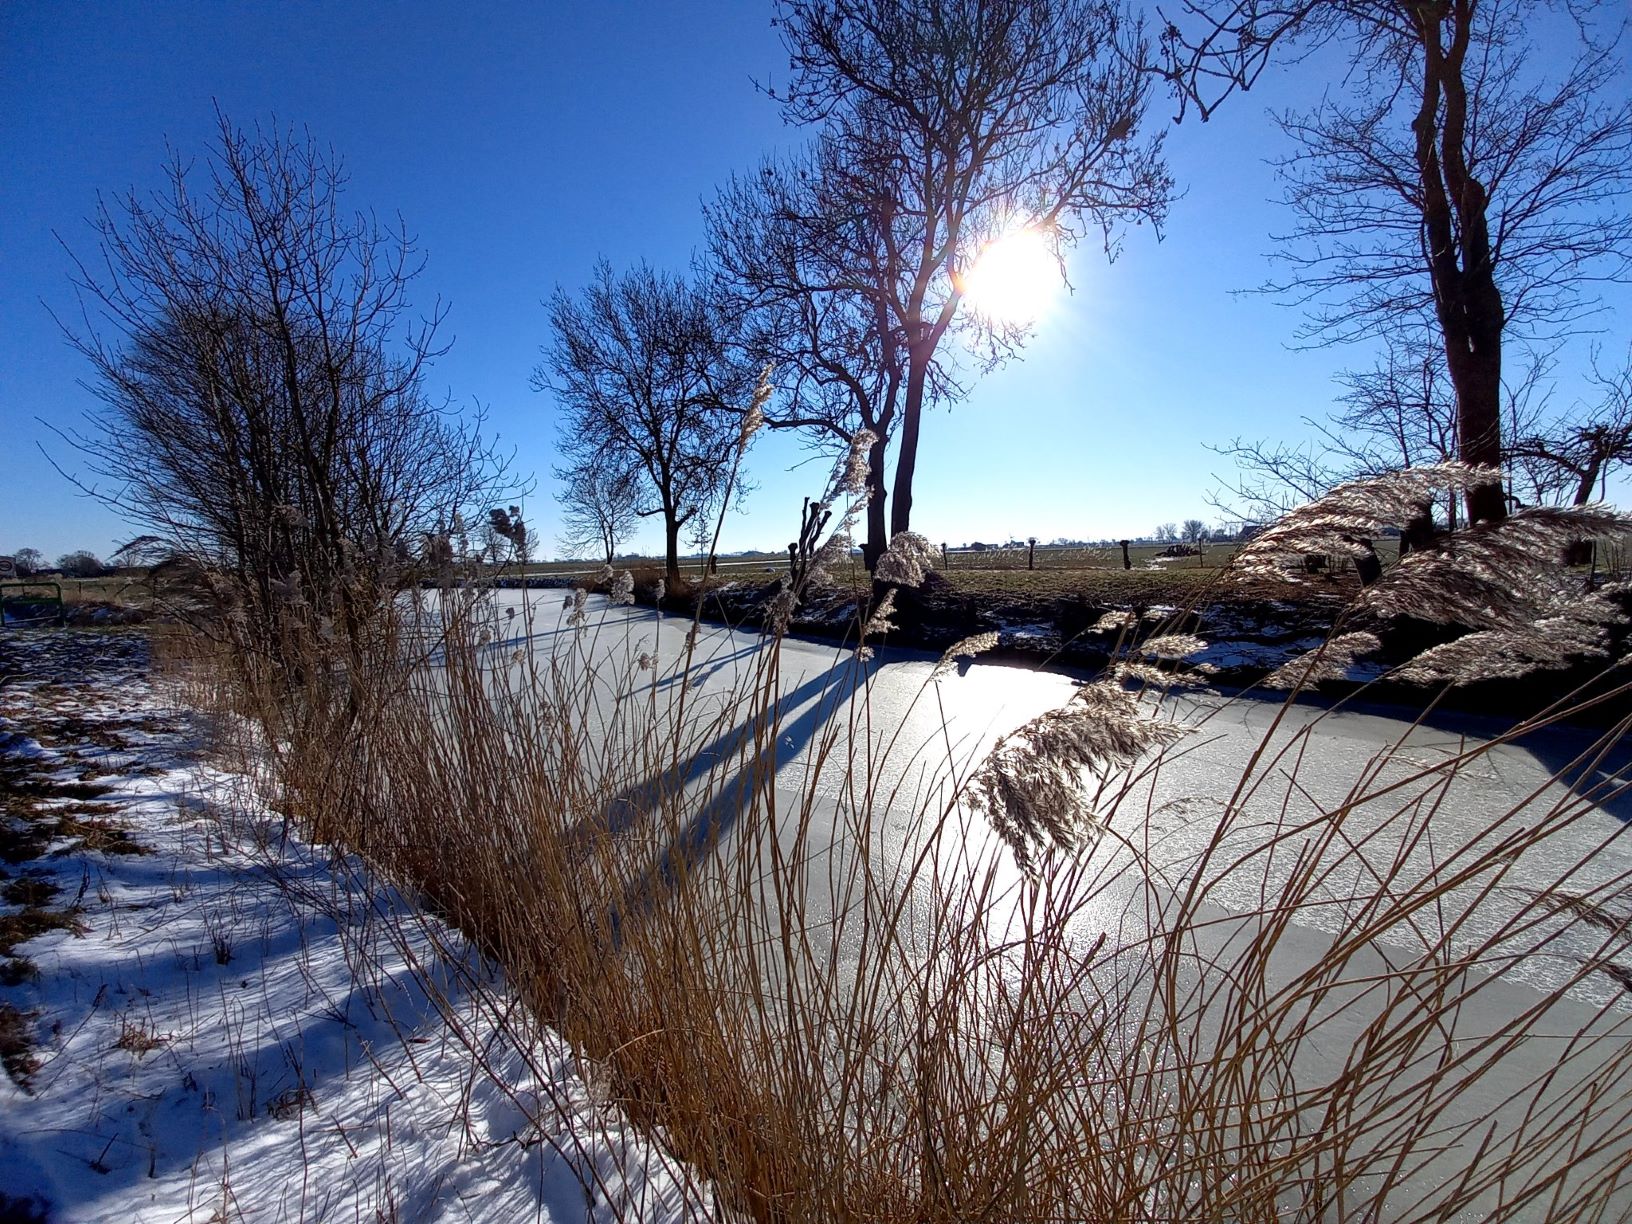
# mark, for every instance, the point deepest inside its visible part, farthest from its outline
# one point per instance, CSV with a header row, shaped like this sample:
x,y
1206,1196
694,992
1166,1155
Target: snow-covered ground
x,y
234,1024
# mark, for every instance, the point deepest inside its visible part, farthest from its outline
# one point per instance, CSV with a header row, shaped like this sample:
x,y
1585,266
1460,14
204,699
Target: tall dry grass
x,y
836,995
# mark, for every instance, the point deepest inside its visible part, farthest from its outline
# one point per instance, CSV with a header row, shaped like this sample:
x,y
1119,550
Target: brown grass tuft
x,y
17,1045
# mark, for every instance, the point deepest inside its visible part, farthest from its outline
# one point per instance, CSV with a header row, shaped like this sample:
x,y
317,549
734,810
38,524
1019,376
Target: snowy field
x,y
228,1024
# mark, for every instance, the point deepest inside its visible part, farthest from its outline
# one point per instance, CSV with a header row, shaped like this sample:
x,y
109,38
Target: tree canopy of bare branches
x,y
801,251
1568,460
1400,413
1450,183
644,372
940,126
600,507
260,366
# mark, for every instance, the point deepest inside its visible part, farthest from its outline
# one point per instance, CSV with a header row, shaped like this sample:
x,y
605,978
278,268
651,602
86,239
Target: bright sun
x,y
1013,278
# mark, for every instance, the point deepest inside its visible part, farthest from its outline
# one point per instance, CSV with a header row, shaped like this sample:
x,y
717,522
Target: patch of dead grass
x,y
138,1039
103,836
32,921
30,890
17,1045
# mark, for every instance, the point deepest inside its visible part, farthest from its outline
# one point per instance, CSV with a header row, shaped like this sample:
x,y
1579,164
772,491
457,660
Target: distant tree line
x,y
81,563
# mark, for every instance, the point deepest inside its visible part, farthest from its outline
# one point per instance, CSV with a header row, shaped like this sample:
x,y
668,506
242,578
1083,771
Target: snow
x,y
1229,655
245,1026
1036,634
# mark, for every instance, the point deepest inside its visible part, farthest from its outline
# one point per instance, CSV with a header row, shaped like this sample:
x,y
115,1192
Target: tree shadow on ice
x,y
630,806
1596,768
704,670
818,701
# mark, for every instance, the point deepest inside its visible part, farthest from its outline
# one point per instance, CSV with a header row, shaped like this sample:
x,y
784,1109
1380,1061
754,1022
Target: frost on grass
x,y
1506,582
1030,787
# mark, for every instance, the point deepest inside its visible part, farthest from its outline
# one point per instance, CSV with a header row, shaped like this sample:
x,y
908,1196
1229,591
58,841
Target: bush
x,y
81,564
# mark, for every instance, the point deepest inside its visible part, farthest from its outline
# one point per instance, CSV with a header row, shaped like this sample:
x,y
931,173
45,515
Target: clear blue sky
x,y
522,140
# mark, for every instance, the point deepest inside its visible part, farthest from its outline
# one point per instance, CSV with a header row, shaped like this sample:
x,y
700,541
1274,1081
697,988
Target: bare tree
x,y
804,254
29,561
262,411
1400,413
1570,461
1449,184
1194,531
599,503
641,364
491,543
81,564
965,119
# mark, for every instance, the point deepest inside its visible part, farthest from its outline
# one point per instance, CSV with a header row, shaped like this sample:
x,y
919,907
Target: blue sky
x,y
522,141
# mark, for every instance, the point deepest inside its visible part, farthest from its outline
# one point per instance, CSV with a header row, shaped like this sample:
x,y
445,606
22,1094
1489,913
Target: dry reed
x,y
836,996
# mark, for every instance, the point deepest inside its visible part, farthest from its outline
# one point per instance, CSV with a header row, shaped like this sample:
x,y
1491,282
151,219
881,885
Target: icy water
x,y
1407,803
886,721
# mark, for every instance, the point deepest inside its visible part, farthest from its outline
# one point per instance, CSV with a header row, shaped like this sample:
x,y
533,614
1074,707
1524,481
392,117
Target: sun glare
x,y
1013,279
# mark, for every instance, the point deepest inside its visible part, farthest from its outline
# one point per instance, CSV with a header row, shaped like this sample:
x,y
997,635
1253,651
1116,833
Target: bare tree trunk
x,y
1466,300
1478,426
671,541
1418,533
878,538
1589,477
906,460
